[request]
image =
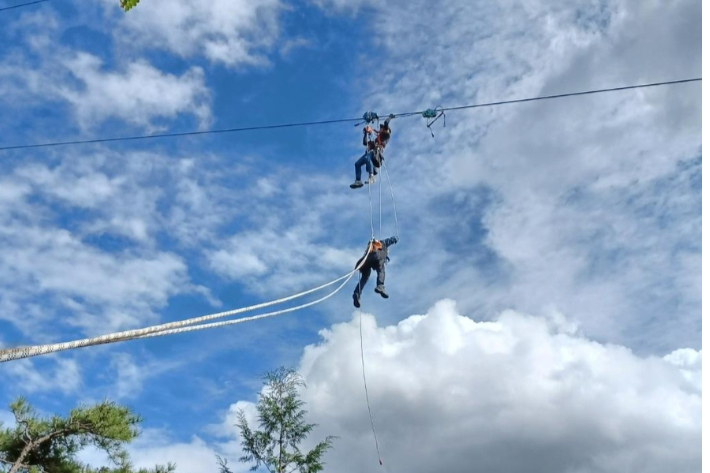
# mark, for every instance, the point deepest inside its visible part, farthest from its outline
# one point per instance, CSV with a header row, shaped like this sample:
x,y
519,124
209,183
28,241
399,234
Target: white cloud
x,y
292,44
196,456
590,204
7,419
230,32
138,95
519,393
54,220
301,237
136,92
22,376
129,375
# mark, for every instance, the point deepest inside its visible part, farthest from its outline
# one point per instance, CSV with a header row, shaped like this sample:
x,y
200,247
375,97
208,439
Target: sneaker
x,y
381,291
356,301
371,180
356,184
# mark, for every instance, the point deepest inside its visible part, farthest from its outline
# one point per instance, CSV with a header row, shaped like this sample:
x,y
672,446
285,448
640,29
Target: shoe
x,y
374,171
356,185
371,180
381,291
356,301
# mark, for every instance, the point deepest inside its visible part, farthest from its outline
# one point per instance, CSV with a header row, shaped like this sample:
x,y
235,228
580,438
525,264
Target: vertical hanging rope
x,y
372,222
394,206
367,394
380,234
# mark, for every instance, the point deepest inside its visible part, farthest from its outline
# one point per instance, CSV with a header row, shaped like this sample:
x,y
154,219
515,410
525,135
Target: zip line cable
x,y
341,120
22,5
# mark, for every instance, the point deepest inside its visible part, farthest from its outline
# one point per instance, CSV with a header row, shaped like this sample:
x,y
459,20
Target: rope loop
x,y
432,115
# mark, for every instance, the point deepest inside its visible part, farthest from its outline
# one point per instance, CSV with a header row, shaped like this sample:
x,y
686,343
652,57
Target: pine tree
x,y
38,444
282,429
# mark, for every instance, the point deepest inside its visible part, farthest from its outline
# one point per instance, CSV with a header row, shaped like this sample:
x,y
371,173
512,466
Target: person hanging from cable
x,y
376,258
374,153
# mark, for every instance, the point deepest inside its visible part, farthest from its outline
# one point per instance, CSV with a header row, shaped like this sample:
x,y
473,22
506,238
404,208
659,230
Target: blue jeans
x,y
366,159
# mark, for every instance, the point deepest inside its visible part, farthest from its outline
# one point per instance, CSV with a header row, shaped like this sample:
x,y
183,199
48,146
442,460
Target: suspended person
x,y
376,259
374,155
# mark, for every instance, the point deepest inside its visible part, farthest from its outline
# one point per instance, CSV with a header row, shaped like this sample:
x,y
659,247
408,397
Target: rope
x,y
253,317
394,206
380,179
342,120
26,352
362,351
23,5
372,223
367,394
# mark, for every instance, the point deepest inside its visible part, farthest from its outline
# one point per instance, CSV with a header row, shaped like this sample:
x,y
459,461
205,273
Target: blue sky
x,y
546,248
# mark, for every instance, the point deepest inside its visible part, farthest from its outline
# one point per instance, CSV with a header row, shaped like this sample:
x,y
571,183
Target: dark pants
x,y
370,264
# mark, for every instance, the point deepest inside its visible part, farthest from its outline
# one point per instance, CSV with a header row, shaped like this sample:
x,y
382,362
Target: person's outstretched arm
x,y
390,241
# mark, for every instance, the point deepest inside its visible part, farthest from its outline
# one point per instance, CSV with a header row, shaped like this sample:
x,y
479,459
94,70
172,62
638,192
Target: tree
x,y
128,4
283,429
50,445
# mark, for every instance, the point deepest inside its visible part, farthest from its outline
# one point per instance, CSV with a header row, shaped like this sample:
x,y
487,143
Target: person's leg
x,y
377,158
370,168
380,288
364,159
368,163
364,276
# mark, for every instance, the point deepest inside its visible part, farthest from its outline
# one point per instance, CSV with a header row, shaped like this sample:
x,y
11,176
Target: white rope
x,y
26,352
394,206
372,223
367,394
383,163
251,318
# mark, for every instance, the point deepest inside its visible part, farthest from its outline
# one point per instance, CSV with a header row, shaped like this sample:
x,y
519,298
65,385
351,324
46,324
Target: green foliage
x,y
38,444
283,429
128,4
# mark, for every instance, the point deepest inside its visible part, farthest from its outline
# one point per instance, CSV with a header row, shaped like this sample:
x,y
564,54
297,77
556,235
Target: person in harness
x,y
376,259
374,155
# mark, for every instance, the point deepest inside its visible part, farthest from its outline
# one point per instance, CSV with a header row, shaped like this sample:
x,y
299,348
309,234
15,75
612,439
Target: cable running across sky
x,y
12,7
341,120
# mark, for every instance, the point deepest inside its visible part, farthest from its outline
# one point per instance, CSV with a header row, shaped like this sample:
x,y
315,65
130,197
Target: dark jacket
x,y
380,254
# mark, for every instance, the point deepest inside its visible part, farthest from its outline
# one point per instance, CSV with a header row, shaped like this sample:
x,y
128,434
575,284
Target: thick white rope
x,y
29,351
250,318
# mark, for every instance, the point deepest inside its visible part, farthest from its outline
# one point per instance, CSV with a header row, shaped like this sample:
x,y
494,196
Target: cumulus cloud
x,y
136,92
230,32
581,204
519,393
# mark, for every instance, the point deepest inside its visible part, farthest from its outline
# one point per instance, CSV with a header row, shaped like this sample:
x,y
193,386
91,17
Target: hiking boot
x,y
381,291
356,301
371,180
356,185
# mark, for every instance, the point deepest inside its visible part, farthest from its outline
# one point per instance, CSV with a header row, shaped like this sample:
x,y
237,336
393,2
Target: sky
x,y
545,292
